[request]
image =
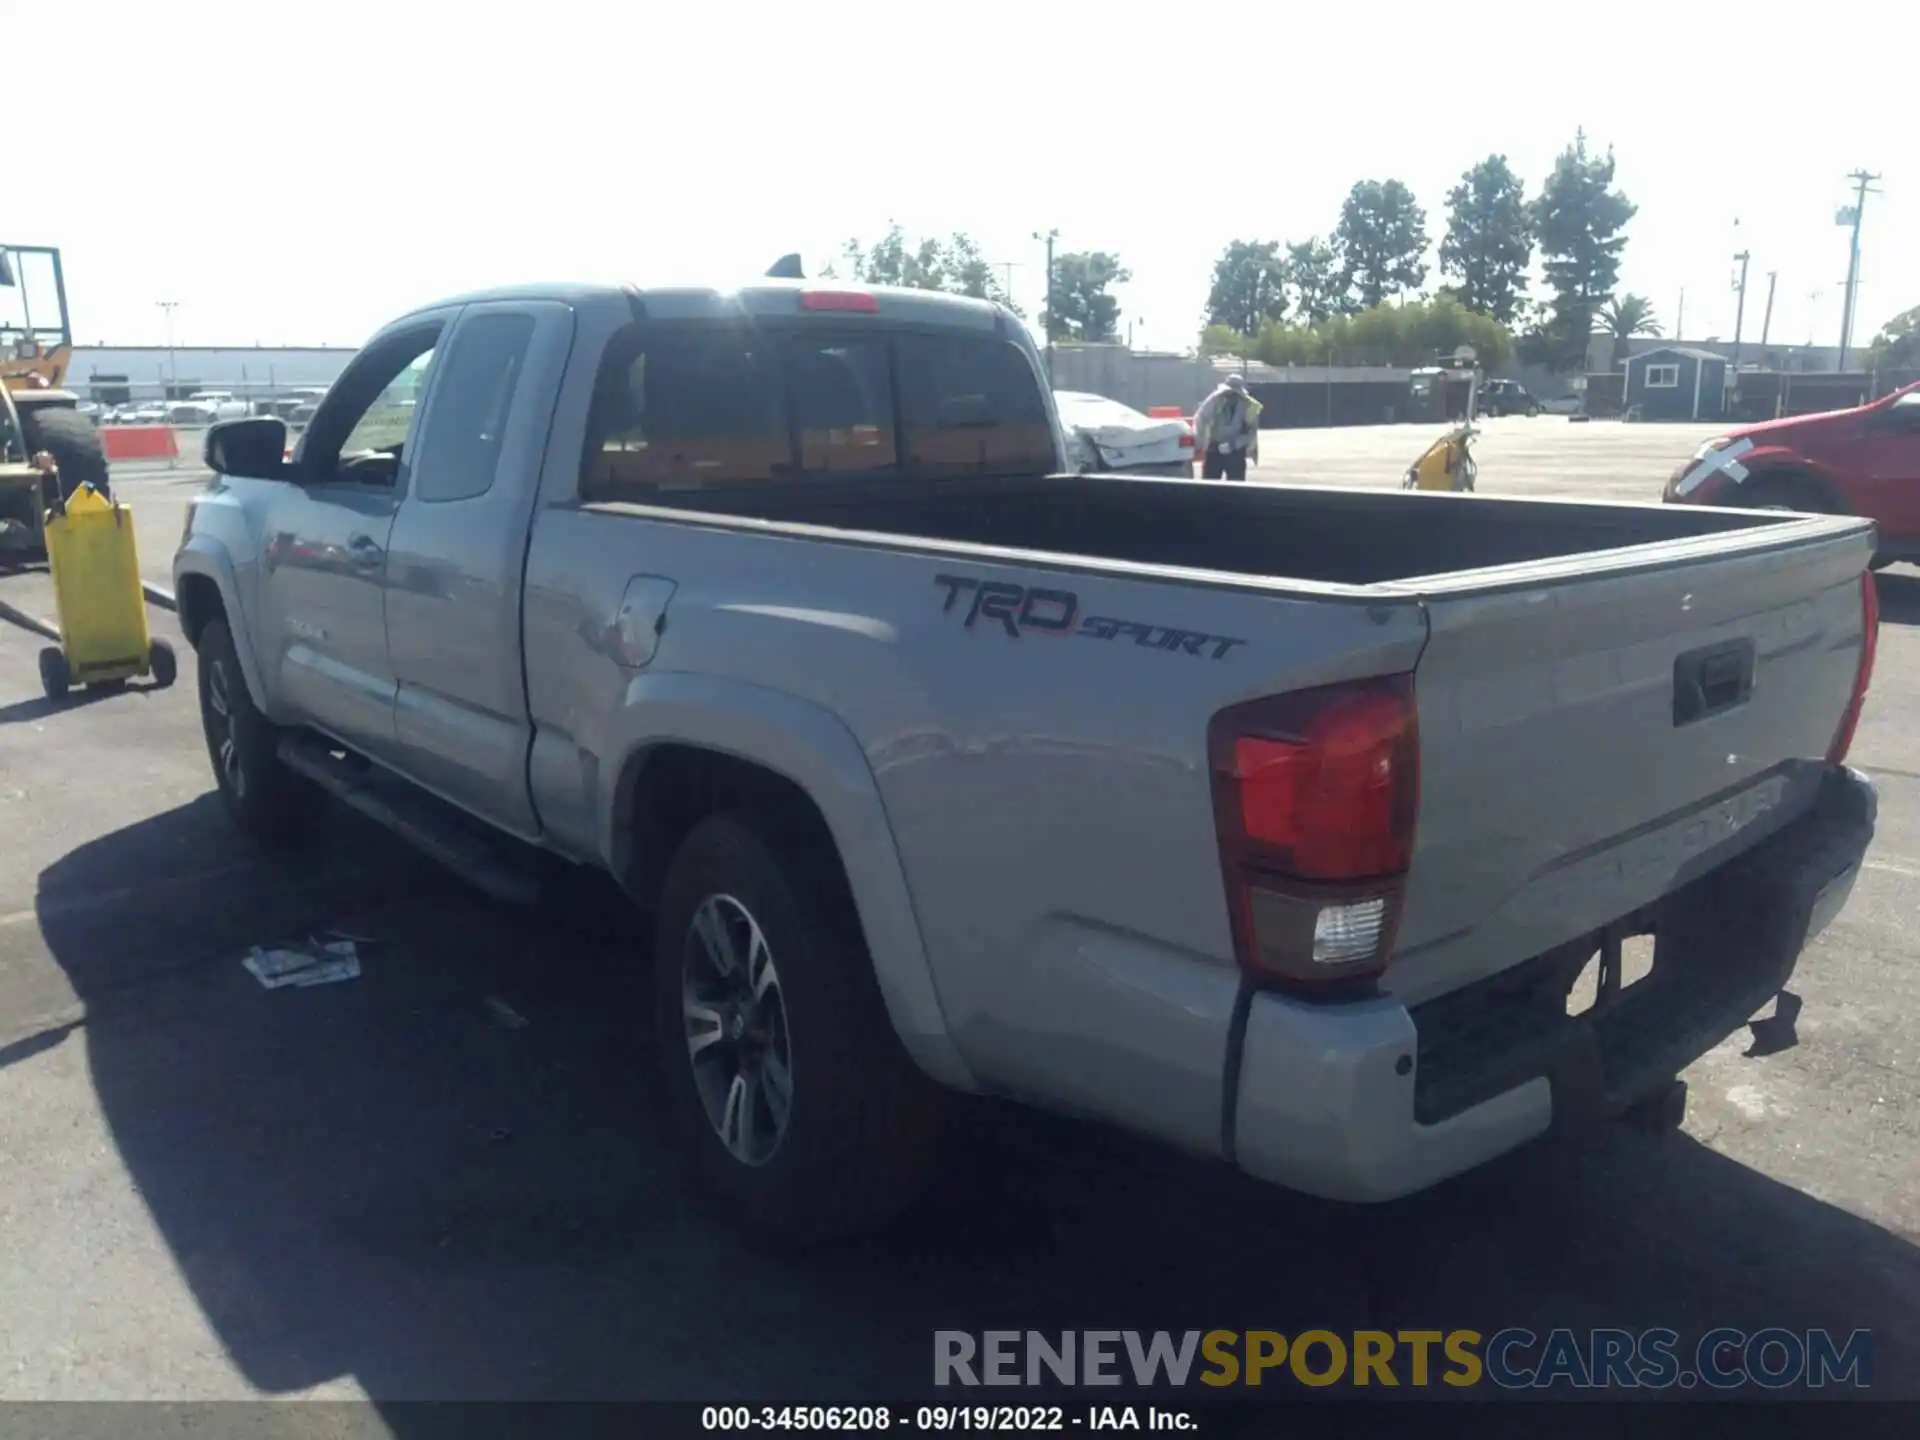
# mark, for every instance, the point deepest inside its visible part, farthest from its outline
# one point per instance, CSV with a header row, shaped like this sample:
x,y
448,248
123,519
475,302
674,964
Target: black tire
x,y
1781,492
162,664
75,445
265,799
861,1120
55,676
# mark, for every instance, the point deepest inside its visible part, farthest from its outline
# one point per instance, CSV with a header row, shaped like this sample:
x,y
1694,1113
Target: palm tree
x,y
1624,317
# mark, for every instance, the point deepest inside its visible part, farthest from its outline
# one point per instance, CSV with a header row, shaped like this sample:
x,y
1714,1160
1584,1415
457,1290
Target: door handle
x,y
1712,679
364,552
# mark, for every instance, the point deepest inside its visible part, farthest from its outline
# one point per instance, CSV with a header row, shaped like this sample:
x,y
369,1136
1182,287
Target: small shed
x,y
1676,382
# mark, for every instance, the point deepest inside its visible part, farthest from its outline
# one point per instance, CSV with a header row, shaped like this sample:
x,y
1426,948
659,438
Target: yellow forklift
x,y
38,415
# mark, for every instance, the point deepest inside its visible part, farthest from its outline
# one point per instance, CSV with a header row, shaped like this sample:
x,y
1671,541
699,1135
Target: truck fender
x,y
207,558
811,747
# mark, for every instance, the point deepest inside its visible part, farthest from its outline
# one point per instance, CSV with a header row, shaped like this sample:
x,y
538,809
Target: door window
x,y
383,425
458,449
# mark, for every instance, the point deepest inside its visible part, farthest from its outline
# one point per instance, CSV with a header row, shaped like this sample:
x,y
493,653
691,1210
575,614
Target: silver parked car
x,y
1105,436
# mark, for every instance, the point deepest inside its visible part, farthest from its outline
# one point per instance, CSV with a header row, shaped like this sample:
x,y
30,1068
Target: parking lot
x,y
388,1188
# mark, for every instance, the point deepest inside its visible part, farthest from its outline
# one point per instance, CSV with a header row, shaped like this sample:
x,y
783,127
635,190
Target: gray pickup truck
x,y
1276,823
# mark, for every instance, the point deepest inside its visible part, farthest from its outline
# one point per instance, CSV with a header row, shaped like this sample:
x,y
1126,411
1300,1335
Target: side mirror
x,y
254,447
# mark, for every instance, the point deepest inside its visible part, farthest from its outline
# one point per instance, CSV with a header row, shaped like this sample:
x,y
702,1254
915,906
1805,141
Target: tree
x,y
1081,308
953,265
1403,335
1489,240
1897,346
1313,275
1580,219
1624,317
1381,241
1249,282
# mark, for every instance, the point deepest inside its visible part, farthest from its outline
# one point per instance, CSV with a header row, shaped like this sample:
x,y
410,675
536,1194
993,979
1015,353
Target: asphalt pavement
x,y
389,1188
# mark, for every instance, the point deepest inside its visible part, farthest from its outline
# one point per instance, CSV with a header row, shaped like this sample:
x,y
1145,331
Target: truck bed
x,y
1323,536
1562,785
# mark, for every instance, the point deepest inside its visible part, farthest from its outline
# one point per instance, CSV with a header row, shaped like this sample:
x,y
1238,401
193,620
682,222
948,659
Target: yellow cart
x,y
97,596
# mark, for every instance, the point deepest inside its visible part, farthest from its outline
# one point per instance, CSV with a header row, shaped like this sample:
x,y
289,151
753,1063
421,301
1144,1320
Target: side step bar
x,y
436,829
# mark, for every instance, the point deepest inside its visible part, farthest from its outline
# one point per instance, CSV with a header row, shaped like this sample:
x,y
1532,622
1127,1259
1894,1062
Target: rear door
x,y
457,554
1594,731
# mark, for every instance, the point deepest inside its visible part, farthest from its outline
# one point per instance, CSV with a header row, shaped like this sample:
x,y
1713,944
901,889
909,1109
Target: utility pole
x,y
1049,238
1766,324
1850,215
1680,321
1739,313
173,375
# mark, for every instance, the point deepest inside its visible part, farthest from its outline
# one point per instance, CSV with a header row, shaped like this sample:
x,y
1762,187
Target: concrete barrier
x,y
139,442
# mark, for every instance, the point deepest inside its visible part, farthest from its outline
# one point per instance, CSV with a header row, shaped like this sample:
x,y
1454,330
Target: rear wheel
x,y
264,797
55,676
795,1101
75,445
162,664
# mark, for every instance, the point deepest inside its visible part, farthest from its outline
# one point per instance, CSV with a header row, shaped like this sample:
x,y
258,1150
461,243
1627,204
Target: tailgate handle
x,y
1710,680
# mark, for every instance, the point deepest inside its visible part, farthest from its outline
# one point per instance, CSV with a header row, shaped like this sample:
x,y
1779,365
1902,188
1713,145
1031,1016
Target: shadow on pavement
x,y
377,1179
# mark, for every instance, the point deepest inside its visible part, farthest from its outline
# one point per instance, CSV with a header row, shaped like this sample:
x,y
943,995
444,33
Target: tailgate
x,y
1590,739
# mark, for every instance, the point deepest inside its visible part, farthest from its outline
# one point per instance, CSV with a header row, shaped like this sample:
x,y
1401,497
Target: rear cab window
x,y
698,406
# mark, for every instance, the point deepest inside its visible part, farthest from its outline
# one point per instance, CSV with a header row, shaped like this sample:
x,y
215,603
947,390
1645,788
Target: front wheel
x,y
795,1101
264,797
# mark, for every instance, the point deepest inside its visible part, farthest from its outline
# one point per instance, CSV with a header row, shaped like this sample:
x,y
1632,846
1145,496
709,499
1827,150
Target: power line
x,y
1850,214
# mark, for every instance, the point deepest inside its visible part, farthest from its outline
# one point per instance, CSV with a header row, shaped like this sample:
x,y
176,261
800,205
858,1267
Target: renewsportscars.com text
x,y
1513,1359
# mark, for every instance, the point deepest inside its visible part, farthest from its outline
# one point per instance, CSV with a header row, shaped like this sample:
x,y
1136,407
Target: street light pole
x,y
1049,238
173,374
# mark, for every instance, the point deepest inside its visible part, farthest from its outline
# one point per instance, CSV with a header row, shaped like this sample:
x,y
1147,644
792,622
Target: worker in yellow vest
x,y
1226,429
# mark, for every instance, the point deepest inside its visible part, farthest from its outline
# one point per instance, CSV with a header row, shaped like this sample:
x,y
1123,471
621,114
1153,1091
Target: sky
x,y
299,174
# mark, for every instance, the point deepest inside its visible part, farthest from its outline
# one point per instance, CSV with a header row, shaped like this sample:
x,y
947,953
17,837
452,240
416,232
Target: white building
x,y
119,374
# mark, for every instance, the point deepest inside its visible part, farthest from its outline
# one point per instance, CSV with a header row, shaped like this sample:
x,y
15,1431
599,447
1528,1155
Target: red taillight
x,y
1863,676
856,300
1316,794
1186,439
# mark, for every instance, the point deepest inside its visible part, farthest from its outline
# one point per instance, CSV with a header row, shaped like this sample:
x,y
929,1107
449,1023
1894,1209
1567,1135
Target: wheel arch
x,y
1782,470
205,590
687,746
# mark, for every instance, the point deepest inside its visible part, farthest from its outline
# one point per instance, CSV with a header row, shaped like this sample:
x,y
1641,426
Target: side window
x,y
972,406
384,423
681,410
458,448
842,397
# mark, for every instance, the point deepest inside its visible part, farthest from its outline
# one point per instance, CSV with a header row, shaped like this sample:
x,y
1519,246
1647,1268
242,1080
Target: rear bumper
x,y
1182,469
1371,1100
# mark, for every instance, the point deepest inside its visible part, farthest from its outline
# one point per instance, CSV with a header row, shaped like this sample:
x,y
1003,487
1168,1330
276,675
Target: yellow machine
x,y
34,357
36,414
1446,464
102,610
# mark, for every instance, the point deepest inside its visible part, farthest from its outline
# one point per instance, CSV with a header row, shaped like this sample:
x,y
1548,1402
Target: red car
x,y
1864,461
